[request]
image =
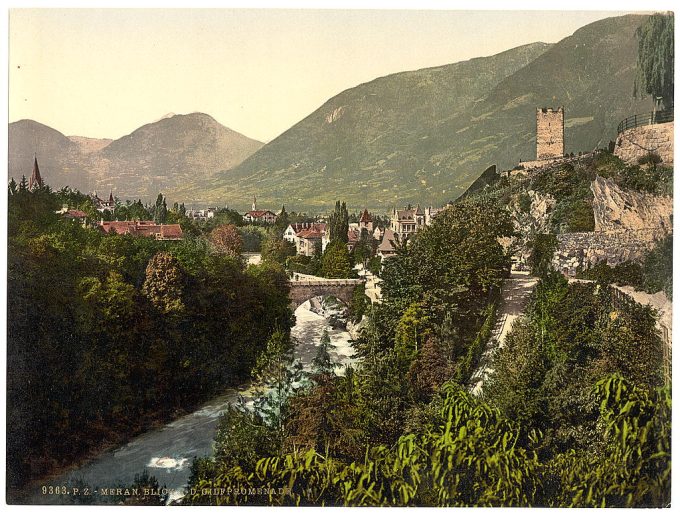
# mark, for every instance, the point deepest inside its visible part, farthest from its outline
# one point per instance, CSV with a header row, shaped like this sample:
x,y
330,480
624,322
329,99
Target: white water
x,y
167,452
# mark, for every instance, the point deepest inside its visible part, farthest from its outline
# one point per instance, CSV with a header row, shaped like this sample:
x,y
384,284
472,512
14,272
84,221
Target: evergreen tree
x,y
160,213
322,362
23,185
339,223
280,374
12,187
282,220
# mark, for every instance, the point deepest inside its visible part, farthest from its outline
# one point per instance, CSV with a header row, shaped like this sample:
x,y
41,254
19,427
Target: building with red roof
x,y
158,231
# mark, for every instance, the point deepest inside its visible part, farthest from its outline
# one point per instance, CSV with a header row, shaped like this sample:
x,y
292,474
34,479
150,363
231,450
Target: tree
x,y
430,369
322,362
160,210
282,220
12,187
338,223
227,240
336,261
542,249
277,249
277,371
164,283
363,249
655,62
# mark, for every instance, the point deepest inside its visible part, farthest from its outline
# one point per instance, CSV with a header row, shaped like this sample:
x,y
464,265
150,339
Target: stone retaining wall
x,y
581,250
632,144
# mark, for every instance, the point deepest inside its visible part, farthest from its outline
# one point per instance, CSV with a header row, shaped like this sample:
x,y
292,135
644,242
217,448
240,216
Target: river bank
x,y
166,452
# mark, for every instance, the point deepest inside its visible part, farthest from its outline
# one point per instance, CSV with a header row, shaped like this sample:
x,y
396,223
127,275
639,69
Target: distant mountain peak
x,y
168,115
159,156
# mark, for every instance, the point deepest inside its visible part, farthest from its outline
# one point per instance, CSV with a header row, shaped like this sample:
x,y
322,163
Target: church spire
x,y
35,181
254,206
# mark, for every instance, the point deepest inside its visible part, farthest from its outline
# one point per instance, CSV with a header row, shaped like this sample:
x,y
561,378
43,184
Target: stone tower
x,y
549,133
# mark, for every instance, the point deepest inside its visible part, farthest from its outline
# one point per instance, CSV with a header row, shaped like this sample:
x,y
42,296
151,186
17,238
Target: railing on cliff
x,y
645,119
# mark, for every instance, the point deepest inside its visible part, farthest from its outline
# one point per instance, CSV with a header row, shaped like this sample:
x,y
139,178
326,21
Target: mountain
x,y
169,153
59,157
90,145
424,136
156,157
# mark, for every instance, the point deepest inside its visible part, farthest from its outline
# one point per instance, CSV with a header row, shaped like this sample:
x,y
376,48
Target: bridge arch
x,y
341,289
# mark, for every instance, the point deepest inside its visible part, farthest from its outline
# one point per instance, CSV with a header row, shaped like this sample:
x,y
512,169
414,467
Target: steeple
x,y
111,197
254,206
35,181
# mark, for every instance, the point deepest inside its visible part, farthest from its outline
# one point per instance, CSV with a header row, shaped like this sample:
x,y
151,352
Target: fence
x,y
645,119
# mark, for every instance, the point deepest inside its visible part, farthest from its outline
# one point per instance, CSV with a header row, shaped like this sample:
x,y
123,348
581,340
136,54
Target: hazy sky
x,y
104,73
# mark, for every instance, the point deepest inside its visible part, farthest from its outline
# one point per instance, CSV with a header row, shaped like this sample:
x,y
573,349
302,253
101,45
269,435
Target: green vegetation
x,y
651,178
653,275
108,334
577,393
655,62
416,134
335,263
572,358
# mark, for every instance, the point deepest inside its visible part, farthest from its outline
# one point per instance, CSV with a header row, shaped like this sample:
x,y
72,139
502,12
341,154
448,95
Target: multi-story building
x,y
259,216
305,237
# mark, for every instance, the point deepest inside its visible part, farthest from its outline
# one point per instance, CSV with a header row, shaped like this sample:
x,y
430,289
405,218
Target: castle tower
x,y
549,133
35,181
366,221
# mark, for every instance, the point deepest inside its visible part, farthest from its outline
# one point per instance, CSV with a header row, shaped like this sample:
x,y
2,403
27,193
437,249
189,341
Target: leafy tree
x,y
658,268
252,237
164,283
335,263
277,249
358,304
227,240
411,332
655,62
634,467
363,249
543,247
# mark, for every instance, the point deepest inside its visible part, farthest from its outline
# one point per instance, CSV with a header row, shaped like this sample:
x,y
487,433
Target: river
x,y
167,452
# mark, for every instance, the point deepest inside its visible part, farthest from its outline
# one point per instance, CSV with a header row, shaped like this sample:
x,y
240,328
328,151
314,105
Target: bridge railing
x,y
645,119
327,282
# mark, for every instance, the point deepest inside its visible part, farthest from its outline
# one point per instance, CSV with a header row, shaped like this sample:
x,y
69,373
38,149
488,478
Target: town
x,y
476,312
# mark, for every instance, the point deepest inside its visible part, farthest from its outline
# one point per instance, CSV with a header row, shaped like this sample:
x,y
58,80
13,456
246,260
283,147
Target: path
x,y
515,297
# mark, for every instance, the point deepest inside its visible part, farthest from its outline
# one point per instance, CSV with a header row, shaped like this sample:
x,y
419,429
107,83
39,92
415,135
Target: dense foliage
x,y
653,274
108,334
655,62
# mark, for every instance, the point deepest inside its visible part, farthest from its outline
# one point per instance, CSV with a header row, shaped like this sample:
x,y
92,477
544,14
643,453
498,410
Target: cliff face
x,y
616,209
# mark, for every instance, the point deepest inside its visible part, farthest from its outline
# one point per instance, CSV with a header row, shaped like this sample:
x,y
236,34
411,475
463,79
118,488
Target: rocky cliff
x,y
617,209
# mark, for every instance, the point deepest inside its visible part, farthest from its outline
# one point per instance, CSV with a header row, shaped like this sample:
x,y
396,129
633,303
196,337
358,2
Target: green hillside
x,y
424,136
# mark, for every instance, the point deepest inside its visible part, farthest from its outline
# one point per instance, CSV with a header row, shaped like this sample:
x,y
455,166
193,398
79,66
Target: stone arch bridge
x,y
307,288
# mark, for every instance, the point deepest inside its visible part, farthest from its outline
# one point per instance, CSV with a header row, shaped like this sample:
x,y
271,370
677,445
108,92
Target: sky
x,y
105,72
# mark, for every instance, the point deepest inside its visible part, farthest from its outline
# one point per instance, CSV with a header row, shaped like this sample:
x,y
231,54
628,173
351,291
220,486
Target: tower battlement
x,y
549,133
